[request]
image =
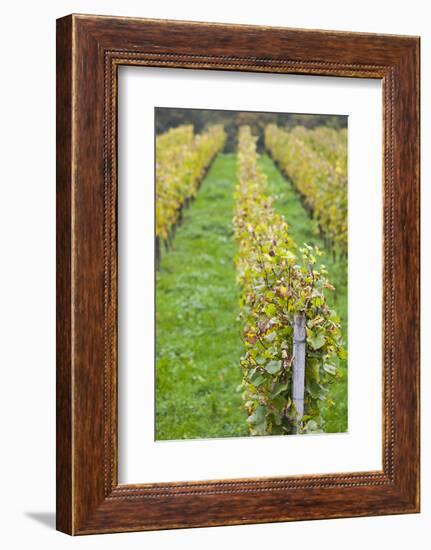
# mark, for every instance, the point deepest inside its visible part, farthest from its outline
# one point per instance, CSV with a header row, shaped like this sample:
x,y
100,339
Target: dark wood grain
x,y
90,49
64,496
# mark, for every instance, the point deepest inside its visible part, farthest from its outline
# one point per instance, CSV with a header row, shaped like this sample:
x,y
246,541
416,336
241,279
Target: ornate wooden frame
x,y
89,51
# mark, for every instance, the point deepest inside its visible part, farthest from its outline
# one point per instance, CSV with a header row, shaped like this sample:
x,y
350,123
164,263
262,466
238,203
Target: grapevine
x,y
316,162
181,161
278,280
326,142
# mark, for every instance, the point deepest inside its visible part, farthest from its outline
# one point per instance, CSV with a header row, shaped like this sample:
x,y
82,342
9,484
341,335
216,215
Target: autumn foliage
x,y
278,280
182,158
316,162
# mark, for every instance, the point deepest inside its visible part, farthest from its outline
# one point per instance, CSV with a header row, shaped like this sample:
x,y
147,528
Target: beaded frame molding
x,y
89,51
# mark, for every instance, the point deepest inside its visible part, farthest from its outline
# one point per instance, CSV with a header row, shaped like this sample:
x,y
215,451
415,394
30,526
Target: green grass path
x,y
198,342
304,230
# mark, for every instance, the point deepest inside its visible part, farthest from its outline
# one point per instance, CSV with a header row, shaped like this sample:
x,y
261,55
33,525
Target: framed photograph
x,y
237,274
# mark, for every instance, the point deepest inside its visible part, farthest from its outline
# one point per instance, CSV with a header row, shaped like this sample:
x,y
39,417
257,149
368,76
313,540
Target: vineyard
x,y
181,161
316,161
251,289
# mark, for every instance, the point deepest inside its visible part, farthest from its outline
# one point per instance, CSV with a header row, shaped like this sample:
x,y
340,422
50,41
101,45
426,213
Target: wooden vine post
x,y
298,367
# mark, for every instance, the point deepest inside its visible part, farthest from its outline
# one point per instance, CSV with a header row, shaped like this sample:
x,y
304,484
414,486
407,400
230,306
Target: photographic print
x,y
209,237
251,256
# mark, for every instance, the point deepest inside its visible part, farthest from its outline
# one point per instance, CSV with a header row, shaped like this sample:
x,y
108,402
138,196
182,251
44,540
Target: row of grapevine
x,y
307,158
278,282
327,142
181,161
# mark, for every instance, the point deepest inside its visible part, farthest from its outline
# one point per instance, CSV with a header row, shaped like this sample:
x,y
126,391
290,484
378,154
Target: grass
x,y
198,342
303,229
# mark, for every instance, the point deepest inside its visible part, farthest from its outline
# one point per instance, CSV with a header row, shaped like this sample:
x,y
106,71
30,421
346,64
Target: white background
x,y
27,123
141,458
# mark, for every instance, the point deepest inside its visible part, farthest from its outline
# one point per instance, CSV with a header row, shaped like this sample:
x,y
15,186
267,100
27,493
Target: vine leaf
x,y
273,367
316,341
